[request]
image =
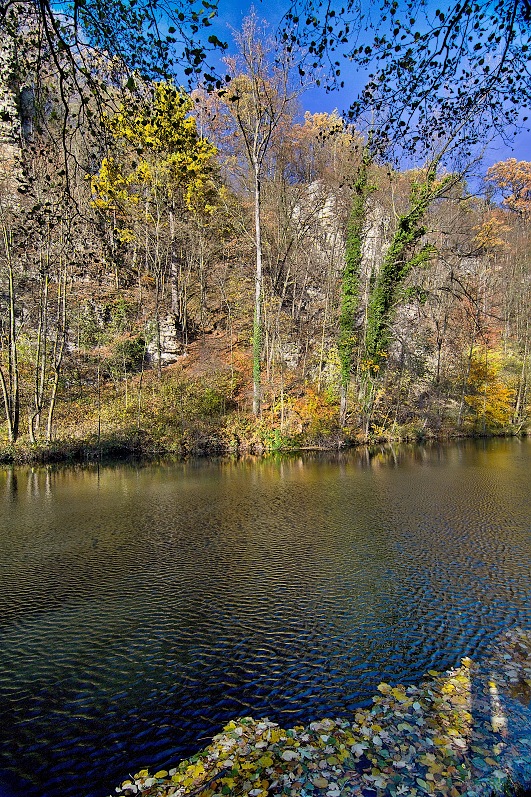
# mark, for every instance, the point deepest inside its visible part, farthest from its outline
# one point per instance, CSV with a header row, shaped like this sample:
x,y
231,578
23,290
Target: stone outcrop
x,y
10,127
170,346
17,112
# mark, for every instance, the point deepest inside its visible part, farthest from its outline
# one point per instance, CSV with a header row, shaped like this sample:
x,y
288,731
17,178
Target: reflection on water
x,y
142,607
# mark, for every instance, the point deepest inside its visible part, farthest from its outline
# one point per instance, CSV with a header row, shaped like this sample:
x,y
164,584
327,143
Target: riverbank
x,y
192,412
463,732
142,445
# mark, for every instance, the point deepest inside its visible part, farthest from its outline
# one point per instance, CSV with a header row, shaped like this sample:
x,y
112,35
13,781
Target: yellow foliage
x,y
513,178
160,123
161,159
489,233
316,413
110,187
399,695
490,394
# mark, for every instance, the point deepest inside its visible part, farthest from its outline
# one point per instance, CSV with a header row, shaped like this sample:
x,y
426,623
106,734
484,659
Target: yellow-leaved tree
x,y
157,191
513,179
490,390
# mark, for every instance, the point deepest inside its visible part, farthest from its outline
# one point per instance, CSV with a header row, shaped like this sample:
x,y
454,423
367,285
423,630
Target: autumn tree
x,y
258,99
306,197
489,394
161,178
513,179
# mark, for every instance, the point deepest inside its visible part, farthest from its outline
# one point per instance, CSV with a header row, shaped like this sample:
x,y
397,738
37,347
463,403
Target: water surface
x,y
143,607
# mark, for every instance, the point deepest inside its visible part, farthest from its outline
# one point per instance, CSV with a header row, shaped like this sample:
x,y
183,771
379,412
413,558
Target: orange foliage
x,y
489,395
490,232
317,414
513,178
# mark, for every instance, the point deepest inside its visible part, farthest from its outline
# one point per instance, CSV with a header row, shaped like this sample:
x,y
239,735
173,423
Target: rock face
x,y
14,104
170,345
10,129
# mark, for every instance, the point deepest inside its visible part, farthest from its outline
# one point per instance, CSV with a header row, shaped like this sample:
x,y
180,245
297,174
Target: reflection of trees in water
x,y
289,583
11,484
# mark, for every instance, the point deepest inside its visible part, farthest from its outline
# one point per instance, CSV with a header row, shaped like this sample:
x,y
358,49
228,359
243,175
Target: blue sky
x,y
231,15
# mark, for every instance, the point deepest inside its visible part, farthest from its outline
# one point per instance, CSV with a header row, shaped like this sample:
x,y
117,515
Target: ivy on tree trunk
x,y
351,278
400,259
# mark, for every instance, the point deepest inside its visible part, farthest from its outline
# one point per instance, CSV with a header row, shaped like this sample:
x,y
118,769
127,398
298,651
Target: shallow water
x,y
143,607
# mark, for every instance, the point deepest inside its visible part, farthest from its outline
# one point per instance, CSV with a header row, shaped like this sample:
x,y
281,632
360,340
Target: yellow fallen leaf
x,y
399,695
440,741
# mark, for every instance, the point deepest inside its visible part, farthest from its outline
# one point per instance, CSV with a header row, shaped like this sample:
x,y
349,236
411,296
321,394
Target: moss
x,y
351,273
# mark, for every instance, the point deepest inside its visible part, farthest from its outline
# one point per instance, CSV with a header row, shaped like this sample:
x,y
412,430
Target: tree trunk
x,y
350,281
58,350
40,361
10,387
257,331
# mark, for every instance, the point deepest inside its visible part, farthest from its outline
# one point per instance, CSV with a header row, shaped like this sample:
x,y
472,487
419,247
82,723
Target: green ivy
x,y
399,261
351,272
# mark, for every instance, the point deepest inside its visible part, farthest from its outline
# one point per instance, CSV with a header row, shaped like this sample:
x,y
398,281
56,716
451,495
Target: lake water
x,y
142,607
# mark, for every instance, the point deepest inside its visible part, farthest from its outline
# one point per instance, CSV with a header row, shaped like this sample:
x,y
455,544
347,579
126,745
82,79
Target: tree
x,y
513,179
258,99
161,177
9,372
350,283
434,68
95,50
490,395
402,256
307,195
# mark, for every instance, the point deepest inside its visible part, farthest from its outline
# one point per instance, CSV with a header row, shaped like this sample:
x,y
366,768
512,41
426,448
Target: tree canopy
x,y
433,68
150,37
462,65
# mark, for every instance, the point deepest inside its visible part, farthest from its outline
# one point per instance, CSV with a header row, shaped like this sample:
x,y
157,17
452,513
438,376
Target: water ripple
x,y
141,608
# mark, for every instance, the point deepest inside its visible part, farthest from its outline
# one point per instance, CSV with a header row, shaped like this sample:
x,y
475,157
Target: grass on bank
x,y
194,411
